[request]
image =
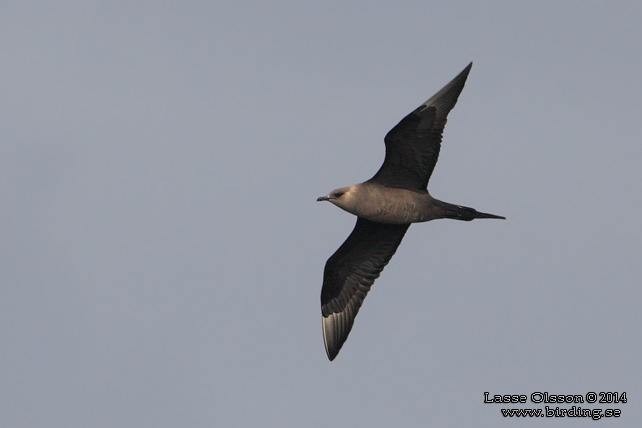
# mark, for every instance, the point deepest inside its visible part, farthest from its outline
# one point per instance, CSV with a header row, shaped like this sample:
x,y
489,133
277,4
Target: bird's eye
x,y
338,194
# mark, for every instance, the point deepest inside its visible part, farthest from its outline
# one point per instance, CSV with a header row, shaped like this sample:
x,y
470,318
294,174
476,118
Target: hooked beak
x,y
324,198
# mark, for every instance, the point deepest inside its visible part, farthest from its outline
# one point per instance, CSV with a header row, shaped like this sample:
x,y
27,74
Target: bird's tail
x,y
458,212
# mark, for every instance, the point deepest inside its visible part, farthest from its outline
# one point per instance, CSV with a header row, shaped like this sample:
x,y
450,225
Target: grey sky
x,y
162,251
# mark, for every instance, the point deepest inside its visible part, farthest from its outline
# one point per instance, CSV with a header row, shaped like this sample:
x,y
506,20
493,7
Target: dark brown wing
x,y
350,273
412,147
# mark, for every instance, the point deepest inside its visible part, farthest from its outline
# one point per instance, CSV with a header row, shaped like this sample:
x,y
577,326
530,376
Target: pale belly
x,y
398,206
397,213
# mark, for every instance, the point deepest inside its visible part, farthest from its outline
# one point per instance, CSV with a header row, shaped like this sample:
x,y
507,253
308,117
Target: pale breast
x,y
394,206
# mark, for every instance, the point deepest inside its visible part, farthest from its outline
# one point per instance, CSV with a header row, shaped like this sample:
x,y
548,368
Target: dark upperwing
x,y
412,147
350,272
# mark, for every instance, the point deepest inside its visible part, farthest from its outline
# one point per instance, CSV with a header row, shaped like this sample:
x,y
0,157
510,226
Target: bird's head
x,y
340,197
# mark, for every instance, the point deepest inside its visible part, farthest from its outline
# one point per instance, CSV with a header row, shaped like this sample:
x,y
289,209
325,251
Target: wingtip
x,y
446,98
328,339
463,75
465,71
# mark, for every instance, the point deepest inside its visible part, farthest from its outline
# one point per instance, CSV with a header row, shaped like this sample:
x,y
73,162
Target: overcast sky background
x,y
161,250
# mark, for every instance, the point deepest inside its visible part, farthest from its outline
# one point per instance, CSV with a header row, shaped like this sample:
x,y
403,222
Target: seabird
x,y
385,207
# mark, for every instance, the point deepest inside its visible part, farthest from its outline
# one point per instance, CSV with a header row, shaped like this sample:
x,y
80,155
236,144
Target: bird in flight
x,y
385,207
